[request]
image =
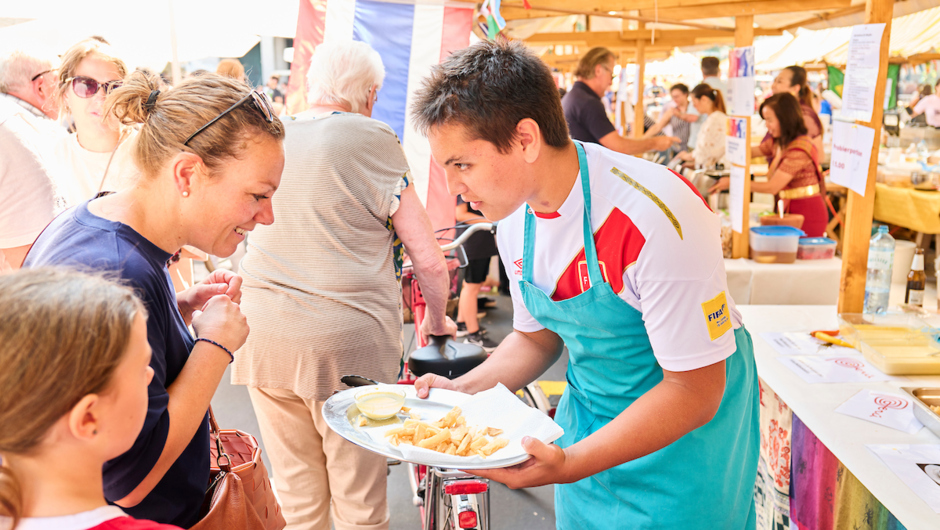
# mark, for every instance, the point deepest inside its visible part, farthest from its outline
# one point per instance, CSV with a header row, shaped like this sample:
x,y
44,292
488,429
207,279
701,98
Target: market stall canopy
x,y
914,38
684,24
143,31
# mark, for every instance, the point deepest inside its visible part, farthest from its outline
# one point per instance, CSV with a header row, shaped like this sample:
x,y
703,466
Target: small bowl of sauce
x,y
380,402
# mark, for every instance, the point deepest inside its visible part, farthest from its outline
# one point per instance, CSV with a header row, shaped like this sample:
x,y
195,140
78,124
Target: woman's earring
x,y
185,194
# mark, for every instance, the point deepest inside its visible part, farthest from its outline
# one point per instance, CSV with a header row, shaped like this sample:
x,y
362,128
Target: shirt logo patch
x,y
518,265
584,276
717,316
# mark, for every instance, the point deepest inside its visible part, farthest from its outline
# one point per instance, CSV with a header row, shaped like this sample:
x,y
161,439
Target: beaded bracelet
x,y
210,341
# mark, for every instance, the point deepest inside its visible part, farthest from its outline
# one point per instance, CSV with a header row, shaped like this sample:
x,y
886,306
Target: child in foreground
x,y
73,395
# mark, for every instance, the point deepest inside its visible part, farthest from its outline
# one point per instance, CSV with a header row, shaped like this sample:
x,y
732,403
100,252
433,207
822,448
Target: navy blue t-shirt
x,y
585,114
82,240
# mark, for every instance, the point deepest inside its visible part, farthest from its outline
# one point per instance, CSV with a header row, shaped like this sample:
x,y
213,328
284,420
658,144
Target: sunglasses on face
x,y
258,102
86,87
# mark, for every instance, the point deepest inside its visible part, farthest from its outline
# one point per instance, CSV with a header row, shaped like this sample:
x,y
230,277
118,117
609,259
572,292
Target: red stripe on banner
x,y
440,203
311,22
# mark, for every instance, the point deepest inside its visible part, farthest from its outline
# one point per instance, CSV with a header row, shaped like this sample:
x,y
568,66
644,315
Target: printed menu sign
x,y
861,71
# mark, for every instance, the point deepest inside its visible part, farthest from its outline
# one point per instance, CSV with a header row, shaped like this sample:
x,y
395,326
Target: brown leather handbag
x,y
240,496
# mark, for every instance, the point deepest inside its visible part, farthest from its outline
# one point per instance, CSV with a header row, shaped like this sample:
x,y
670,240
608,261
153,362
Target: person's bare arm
x,y
636,146
658,126
413,226
518,360
12,258
192,391
680,403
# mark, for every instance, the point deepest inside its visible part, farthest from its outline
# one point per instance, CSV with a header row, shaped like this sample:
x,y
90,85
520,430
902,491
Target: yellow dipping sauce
x,y
378,404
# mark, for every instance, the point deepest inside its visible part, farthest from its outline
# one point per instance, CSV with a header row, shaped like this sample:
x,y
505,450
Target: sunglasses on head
x,y
86,87
258,101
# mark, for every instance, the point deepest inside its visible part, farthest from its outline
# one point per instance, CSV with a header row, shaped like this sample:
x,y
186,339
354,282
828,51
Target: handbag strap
x,y
215,434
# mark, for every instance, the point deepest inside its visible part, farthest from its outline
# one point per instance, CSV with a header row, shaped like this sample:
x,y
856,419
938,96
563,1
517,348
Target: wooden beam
x,y
860,209
740,243
736,9
632,35
825,16
514,11
639,111
607,39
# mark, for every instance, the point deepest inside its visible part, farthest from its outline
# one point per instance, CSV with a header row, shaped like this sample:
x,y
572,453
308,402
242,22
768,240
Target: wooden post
x,y
638,111
744,36
859,210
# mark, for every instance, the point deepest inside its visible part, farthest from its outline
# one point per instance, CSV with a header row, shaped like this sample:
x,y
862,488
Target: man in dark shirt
x,y
585,114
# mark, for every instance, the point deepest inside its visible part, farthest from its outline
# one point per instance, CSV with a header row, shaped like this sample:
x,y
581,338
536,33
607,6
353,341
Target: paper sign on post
x,y
891,410
736,198
861,71
741,81
736,141
851,155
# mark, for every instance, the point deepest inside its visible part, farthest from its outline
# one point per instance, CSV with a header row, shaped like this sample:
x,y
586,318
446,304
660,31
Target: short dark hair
x,y
588,63
680,87
489,88
790,115
710,65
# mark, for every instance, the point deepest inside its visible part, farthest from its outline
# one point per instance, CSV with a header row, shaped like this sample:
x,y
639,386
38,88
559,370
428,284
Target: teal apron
x,y
703,480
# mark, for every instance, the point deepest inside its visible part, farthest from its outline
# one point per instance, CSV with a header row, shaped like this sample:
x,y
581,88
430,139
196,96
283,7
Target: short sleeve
x,y
403,183
921,105
767,147
27,203
596,121
794,161
508,241
124,473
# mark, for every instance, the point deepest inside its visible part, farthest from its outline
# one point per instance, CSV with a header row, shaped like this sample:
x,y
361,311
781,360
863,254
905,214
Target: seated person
x,y
794,175
68,406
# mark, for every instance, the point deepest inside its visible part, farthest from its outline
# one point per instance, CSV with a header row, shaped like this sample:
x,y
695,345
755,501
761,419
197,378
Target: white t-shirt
x,y
677,282
28,194
82,170
930,106
78,521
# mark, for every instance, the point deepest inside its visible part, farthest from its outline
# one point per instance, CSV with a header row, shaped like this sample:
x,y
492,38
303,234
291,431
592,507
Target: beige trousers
x,y
312,466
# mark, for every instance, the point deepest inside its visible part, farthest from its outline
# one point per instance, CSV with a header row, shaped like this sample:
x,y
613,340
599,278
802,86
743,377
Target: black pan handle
x,y
357,380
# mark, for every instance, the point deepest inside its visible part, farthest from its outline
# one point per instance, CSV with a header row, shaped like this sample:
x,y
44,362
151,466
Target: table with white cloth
x,y
803,282
845,436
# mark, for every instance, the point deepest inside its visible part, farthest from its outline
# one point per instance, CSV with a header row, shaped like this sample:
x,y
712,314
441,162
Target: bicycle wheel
x,y
534,397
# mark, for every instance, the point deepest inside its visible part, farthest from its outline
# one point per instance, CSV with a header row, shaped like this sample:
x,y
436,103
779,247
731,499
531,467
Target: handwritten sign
x,y
851,155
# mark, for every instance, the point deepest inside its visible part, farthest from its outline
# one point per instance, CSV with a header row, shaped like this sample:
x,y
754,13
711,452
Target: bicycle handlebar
x,y
472,229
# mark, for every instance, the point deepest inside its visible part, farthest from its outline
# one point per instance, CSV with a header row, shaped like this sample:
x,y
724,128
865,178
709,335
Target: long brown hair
x,y
95,47
798,77
62,335
789,114
168,117
706,91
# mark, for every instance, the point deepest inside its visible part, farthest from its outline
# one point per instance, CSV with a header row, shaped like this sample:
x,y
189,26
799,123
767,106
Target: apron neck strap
x,y
590,250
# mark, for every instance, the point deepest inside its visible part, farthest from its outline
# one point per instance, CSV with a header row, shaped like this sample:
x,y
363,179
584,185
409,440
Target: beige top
x,y
321,291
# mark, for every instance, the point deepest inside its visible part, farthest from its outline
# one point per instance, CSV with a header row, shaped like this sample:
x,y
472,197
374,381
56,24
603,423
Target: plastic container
x,y
895,343
816,248
775,244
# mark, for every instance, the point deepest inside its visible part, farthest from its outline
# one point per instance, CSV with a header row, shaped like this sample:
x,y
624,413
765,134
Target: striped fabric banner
x,y
410,37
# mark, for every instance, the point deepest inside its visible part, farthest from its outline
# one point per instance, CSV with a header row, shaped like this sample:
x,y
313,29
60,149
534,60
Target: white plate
x,y
341,414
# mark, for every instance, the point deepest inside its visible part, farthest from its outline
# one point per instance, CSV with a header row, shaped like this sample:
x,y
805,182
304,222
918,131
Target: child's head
x,y
75,360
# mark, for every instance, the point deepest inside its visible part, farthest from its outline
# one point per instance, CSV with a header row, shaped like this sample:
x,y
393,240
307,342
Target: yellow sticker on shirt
x,y
717,316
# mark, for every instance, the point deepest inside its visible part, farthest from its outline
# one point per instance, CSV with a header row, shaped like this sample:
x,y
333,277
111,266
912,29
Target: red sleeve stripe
x,y
692,187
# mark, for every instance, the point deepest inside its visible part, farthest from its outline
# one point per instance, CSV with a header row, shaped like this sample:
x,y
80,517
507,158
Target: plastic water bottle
x,y
878,280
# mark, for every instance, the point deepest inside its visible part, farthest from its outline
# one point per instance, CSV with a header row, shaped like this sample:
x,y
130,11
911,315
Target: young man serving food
x,y
619,260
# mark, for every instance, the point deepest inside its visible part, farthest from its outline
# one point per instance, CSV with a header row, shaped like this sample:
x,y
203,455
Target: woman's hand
x,y
219,282
722,184
685,156
222,321
549,465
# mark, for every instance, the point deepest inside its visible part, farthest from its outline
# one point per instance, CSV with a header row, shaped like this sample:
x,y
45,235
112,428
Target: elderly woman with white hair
x,y
321,290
